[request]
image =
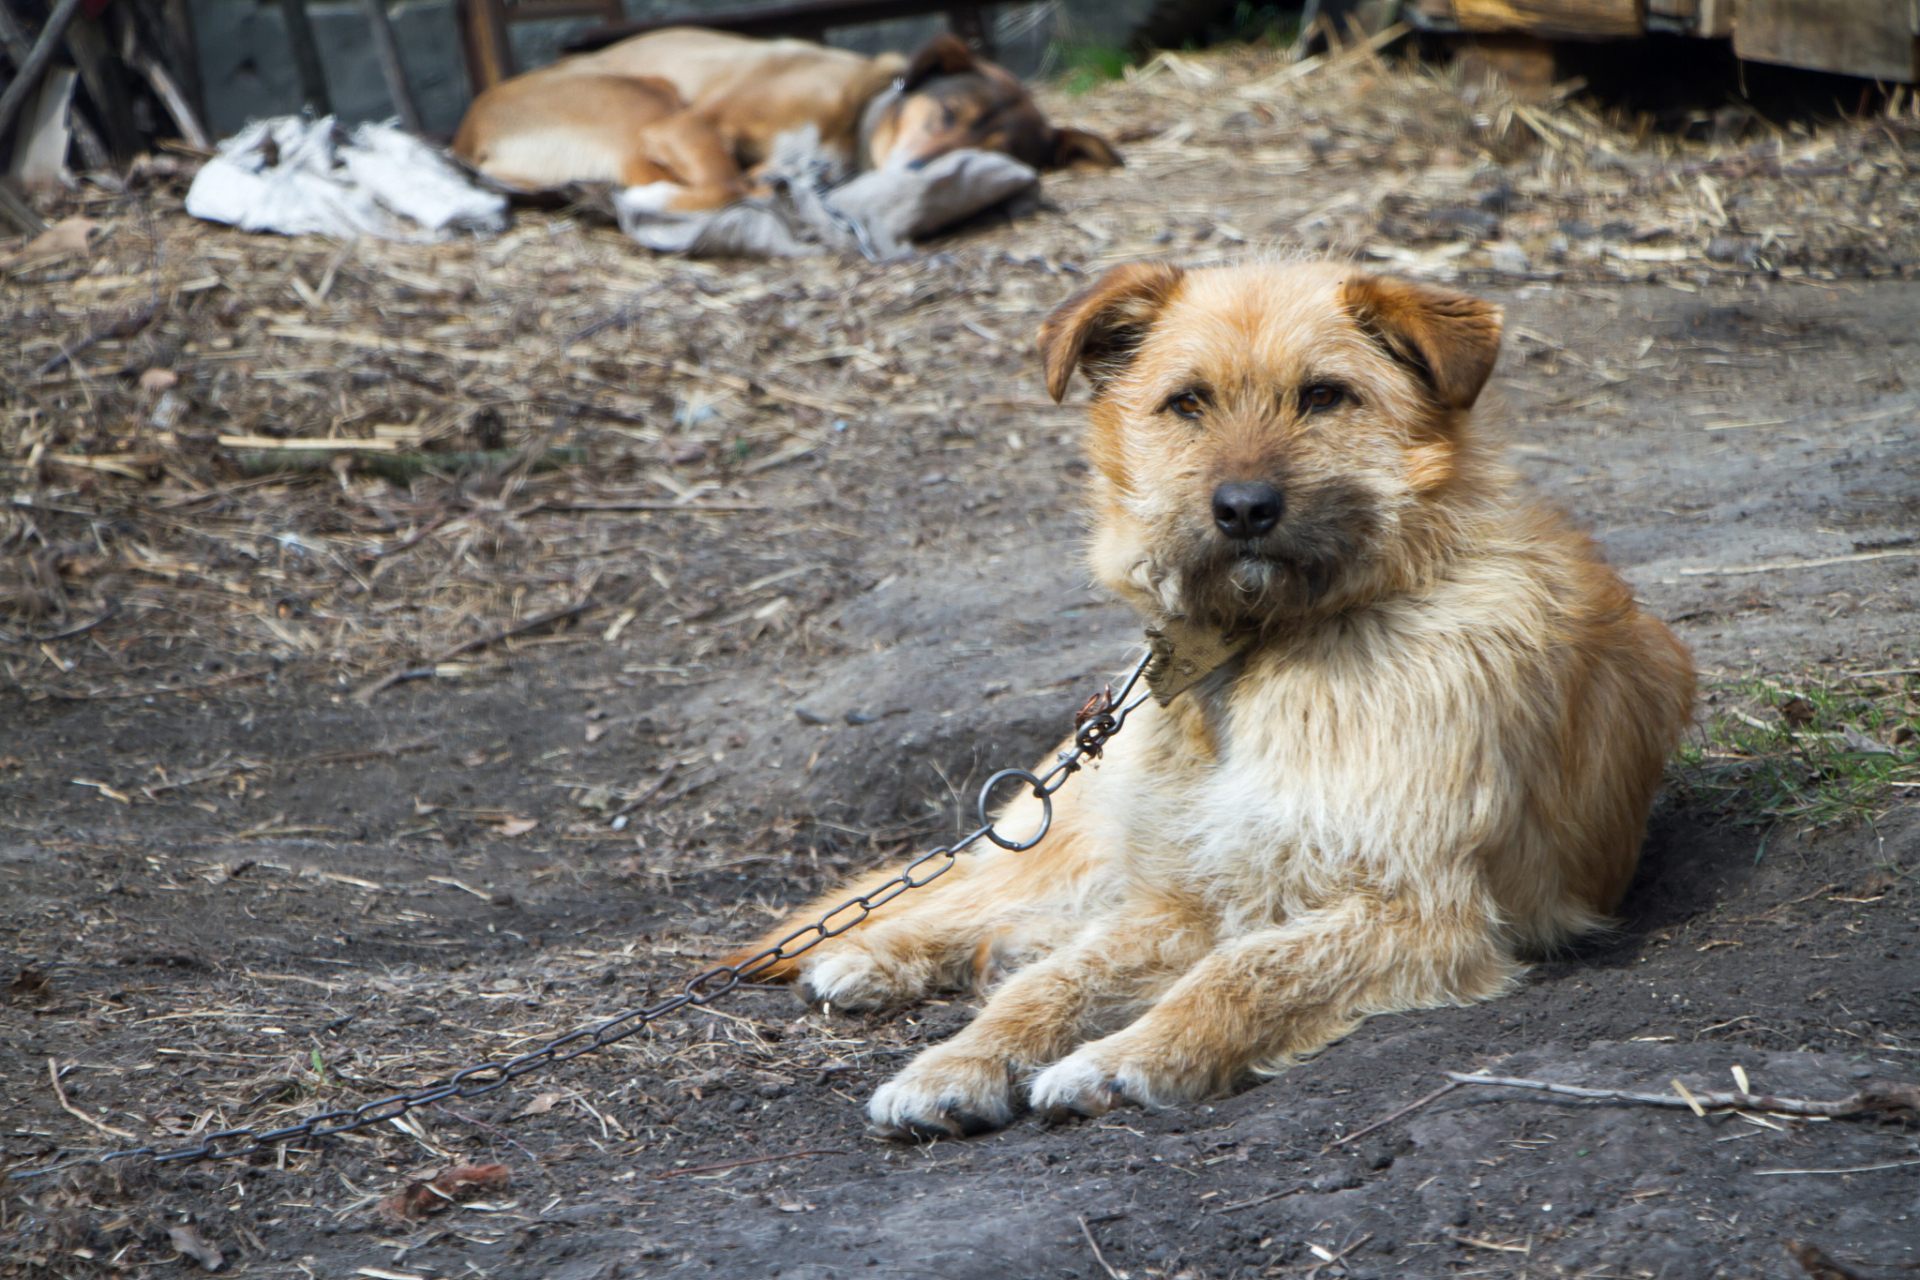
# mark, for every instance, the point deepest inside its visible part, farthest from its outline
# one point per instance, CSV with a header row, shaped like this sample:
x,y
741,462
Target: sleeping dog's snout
x,y
1244,510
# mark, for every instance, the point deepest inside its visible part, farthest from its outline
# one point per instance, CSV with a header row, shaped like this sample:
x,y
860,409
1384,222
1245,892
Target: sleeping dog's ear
x,y
1079,146
944,55
1449,339
1099,330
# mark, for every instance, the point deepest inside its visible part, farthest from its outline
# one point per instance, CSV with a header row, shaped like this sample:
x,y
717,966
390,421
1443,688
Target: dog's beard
x,y
1313,560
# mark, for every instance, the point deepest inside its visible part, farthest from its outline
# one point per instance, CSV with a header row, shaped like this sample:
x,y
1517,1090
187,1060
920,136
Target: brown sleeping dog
x,y
1431,753
696,111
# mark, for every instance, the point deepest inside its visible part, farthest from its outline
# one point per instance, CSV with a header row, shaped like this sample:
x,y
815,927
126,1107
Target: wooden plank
x,y
100,73
26,76
798,17
182,54
1869,38
306,57
1716,19
387,50
483,32
1568,19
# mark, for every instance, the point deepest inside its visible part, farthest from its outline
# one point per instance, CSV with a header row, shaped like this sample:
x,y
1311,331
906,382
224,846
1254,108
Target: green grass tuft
x,y
1087,66
1825,751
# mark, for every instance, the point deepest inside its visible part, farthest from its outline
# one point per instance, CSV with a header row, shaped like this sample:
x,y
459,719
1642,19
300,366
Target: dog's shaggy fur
x,y
1434,755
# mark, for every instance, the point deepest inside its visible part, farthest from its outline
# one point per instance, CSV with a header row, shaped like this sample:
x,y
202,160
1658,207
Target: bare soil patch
x,y
815,523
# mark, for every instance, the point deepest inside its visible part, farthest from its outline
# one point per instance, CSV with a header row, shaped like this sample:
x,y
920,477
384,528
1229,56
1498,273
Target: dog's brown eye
x,y
1322,395
1187,404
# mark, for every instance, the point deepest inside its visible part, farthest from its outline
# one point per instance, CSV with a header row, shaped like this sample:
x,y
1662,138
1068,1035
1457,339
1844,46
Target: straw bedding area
x,y
371,458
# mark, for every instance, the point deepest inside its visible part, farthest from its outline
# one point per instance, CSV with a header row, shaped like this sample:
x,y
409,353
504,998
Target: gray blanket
x,y
811,210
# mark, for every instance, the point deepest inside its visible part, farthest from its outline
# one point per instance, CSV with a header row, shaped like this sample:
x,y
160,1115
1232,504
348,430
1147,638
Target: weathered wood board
x,y
1572,19
1869,38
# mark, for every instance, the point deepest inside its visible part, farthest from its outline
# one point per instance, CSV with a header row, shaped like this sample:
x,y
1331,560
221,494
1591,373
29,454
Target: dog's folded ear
x,y
1450,339
1100,329
1080,146
944,55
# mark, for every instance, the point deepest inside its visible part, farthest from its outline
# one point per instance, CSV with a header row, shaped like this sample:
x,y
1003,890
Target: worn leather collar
x,y
1183,654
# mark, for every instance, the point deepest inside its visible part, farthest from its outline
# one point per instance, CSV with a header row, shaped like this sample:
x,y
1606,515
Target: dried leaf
x,y
61,240
517,826
462,1182
539,1106
193,1245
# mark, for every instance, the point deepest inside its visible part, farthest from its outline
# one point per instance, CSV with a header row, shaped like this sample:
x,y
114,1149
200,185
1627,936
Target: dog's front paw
x,y
1093,1080
945,1092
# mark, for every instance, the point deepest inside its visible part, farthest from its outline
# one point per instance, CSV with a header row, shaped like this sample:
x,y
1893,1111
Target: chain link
x,y
1098,721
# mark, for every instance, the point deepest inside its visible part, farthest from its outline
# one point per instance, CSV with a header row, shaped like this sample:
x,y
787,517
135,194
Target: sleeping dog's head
x,y
949,98
1274,443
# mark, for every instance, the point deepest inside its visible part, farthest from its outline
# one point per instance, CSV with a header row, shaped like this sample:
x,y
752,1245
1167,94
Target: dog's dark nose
x,y
1246,509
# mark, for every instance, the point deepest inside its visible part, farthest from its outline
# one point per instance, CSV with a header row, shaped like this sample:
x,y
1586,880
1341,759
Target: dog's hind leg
x,y
1269,998
702,169
1116,965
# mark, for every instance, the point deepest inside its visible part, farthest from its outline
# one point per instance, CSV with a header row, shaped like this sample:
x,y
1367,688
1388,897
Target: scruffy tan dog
x,y
1428,748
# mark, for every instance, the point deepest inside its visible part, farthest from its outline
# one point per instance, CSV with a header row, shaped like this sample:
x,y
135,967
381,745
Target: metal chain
x,y
1097,722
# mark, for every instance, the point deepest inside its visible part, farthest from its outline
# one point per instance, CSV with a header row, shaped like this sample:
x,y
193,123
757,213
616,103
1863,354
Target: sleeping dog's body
x,y
1432,753
694,112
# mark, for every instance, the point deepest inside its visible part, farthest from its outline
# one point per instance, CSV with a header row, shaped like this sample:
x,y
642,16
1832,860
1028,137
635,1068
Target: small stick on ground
x,y
53,1074
1383,1121
1271,1196
1094,1245
369,692
1877,1096
735,1164
666,776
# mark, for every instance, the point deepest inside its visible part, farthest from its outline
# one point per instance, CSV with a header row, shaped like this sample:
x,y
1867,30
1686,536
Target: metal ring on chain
x,y
1040,793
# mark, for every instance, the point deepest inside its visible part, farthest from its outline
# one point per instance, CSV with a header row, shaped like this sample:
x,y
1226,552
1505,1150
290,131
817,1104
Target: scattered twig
x,y
1876,1096
666,776
735,1164
1383,1121
644,504
1774,566
1271,1196
1339,1259
124,325
1864,1168
53,1074
372,753
28,637
370,691
1094,1245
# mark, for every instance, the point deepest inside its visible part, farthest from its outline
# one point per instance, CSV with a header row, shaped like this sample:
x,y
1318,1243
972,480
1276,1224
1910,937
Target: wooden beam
x,y
1568,19
388,51
26,77
483,35
14,38
102,77
798,17
182,53
1873,39
306,58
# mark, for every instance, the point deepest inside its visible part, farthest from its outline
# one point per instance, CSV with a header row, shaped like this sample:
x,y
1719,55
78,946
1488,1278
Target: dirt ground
x,y
811,608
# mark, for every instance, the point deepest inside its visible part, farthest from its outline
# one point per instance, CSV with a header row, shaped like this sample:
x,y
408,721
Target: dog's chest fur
x,y
1360,757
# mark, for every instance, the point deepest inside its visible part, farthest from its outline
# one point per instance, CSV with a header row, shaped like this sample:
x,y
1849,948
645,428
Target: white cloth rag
x,y
297,176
